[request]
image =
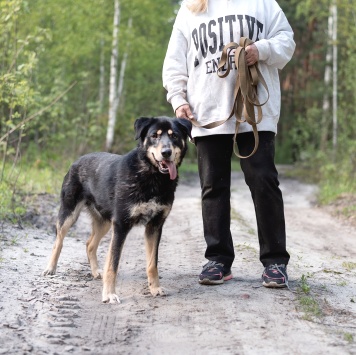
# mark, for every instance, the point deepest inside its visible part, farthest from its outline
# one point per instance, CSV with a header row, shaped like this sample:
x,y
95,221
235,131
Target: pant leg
x,y
262,178
214,163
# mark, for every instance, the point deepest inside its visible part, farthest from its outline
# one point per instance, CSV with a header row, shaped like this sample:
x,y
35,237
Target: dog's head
x,y
164,140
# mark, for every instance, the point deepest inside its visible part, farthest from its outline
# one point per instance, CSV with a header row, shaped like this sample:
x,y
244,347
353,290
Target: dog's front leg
x,y
112,263
152,239
62,230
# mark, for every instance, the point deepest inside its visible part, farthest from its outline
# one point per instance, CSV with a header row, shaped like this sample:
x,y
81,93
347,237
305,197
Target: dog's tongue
x,y
172,169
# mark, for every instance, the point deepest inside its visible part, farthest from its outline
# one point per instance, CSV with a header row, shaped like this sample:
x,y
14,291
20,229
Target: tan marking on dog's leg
x,y
109,275
151,243
58,244
99,229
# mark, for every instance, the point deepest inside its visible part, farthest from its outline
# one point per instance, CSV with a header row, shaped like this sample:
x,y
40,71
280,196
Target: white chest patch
x,y
145,211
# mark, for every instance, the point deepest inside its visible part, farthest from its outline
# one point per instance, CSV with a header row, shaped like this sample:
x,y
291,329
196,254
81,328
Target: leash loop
x,y
245,91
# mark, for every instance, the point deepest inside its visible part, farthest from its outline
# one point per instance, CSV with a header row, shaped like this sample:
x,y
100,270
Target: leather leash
x,y
245,92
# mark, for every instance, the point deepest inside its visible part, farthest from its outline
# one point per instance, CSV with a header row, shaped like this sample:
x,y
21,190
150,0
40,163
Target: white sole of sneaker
x,y
273,285
215,282
211,282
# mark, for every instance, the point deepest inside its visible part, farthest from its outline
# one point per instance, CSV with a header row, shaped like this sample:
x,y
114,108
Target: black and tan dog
x,y
123,191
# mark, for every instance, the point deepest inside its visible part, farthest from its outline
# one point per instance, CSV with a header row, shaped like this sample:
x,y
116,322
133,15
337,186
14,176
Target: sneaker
x,y
275,276
214,273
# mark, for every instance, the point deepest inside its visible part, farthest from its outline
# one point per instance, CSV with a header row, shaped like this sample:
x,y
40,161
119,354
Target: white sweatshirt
x,y
194,50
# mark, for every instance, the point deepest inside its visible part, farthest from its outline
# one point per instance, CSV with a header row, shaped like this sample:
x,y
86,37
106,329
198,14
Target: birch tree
x,y
102,76
334,38
327,81
113,78
120,85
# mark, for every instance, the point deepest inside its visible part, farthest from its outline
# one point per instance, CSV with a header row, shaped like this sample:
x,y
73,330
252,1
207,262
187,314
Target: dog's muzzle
x,y
168,167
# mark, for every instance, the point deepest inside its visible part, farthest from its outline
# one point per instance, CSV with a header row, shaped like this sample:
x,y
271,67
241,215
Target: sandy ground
x,y
64,314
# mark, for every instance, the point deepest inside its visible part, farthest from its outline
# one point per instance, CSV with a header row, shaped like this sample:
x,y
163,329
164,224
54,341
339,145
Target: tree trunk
x,y
102,77
334,37
113,78
122,72
325,123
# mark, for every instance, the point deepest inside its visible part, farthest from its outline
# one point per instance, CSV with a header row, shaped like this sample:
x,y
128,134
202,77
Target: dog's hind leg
x,y
119,233
66,219
152,239
99,229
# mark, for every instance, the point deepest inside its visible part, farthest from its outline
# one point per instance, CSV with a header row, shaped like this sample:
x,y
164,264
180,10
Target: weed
x,y
348,211
303,285
244,246
19,182
348,265
348,337
310,306
307,302
14,240
329,271
342,283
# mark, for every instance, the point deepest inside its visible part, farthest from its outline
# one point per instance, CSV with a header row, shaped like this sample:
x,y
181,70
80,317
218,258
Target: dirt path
x,y
63,314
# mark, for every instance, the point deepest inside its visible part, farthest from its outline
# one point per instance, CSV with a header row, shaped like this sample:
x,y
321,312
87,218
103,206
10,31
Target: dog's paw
x,y
111,298
97,276
157,291
49,271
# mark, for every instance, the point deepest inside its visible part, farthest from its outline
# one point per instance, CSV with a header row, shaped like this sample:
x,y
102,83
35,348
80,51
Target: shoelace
x,y
274,267
210,264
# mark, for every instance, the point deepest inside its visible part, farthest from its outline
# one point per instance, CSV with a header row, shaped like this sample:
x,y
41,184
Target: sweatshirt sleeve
x,y
278,47
175,71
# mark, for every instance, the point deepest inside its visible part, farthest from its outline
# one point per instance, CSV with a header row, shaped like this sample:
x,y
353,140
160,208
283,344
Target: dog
x,y
121,191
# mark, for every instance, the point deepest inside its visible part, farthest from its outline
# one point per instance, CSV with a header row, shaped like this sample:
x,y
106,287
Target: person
x,y
201,30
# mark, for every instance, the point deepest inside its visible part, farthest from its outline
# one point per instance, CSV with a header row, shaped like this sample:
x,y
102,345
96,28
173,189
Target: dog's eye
x,y
154,135
174,136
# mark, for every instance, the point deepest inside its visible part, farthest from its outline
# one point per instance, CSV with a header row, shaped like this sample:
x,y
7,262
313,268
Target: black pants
x,y
214,162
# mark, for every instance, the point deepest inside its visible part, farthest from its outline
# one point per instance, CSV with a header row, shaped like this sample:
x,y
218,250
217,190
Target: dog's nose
x,y
166,152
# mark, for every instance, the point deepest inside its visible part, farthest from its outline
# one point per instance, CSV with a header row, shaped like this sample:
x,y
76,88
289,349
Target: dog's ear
x,y
141,125
186,126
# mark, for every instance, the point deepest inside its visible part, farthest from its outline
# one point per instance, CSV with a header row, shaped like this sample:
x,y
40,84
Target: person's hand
x,y
251,54
184,112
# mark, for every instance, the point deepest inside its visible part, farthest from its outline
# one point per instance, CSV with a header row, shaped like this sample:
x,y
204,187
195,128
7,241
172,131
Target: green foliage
x,y
348,337
24,180
11,205
48,45
349,265
19,61
302,120
303,285
307,302
305,129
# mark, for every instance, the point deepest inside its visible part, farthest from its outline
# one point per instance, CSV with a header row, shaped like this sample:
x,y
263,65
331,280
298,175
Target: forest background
x,y
66,66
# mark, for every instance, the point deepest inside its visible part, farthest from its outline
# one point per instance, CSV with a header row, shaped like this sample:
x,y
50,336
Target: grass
x,y
237,217
25,180
308,304
336,181
348,265
310,307
191,166
303,285
342,283
188,167
244,246
348,337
